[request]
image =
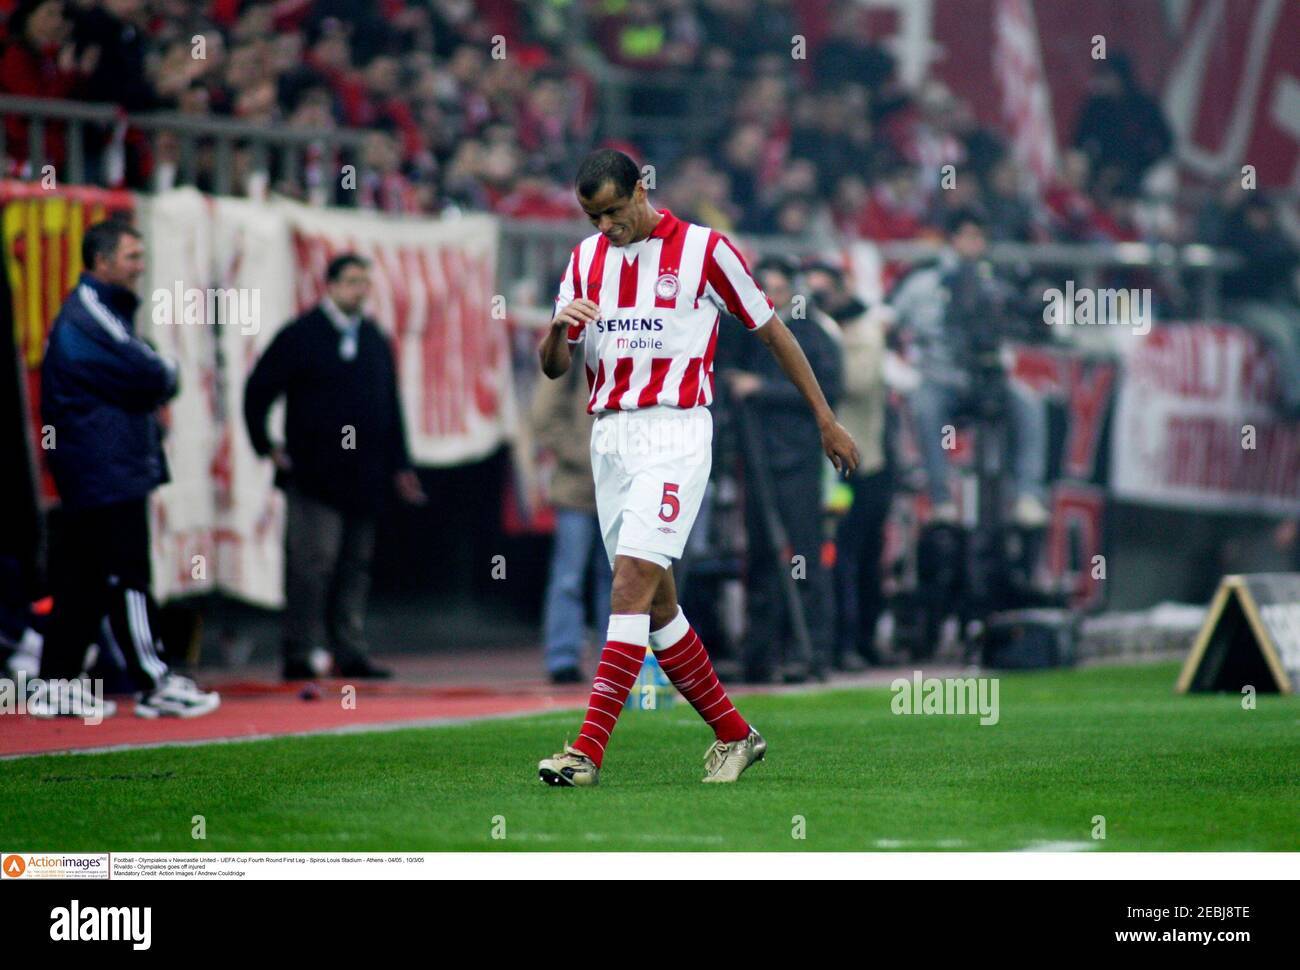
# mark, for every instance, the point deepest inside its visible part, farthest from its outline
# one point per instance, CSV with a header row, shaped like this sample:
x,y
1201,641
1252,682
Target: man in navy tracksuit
x,y
100,388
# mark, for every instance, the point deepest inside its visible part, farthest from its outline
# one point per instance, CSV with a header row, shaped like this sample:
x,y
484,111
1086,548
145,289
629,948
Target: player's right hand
x,y
576,315
840,448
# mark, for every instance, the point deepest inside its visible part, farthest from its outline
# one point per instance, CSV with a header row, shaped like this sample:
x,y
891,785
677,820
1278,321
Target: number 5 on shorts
x,y
670,501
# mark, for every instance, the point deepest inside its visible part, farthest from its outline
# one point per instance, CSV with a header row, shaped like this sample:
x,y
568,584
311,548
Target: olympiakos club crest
x,y
666,286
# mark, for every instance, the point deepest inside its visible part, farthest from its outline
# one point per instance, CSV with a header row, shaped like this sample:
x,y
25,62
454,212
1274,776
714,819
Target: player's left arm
x,y
837,443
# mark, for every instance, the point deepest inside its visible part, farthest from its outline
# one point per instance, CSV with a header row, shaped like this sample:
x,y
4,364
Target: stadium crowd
x,y
488,105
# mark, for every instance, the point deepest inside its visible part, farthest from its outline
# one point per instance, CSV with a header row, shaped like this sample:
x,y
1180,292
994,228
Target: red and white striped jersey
x,y
659,302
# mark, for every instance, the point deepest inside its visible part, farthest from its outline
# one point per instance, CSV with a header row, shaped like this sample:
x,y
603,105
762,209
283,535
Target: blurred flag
x,y
1026,100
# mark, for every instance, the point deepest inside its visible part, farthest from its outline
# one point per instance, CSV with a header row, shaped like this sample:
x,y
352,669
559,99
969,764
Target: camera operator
x,y
956,314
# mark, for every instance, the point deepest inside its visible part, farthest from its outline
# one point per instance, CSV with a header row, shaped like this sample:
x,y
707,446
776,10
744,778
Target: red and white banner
x,y
1196,425
220,523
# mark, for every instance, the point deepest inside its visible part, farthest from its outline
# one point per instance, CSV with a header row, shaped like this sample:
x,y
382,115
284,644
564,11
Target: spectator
x,y
41,60
1269,257
742,162
345,446
1122,130
101,386
1010,217
850,57
116,31
950,311
895,207
637,38
382,185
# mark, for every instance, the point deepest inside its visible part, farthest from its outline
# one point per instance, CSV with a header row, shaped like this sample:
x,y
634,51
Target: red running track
x,y
255,711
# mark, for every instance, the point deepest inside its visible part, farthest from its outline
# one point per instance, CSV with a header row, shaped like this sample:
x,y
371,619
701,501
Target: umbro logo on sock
x,y
604,688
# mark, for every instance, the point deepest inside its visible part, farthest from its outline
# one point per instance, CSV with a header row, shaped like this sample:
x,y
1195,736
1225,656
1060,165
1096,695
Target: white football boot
x,y
726,761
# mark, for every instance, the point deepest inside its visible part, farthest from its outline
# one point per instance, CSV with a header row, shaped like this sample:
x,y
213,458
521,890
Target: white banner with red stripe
x,y
1196,425
219,524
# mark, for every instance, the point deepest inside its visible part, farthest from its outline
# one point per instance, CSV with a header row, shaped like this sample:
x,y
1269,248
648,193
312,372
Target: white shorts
x,y
651,467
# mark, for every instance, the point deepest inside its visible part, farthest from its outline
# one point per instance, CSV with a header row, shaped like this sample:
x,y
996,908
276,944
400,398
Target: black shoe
x,y
297,670
362,669
566,675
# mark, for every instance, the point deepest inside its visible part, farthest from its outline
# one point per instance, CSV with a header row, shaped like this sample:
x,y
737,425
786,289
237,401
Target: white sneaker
x,y
68,698
1030,512
177,697
726,761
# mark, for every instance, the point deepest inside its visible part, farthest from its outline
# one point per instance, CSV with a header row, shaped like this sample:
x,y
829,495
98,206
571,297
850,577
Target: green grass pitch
x,y
1167,772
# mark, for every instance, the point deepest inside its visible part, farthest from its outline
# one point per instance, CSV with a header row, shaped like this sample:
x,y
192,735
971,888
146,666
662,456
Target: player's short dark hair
x,y
607,165
341,262
966,216
102,238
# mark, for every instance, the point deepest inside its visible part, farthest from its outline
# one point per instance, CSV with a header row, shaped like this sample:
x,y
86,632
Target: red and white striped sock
x,y
682,656
620,662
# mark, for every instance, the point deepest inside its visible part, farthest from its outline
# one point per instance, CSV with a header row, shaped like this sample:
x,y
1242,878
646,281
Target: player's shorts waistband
x,y
655,411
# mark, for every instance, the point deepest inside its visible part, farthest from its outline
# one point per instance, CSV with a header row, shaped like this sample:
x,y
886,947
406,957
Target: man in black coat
x,y
792,453
101,386
345,446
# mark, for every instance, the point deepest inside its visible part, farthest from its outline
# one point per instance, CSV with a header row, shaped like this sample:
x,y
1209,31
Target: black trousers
x,y
859,543
327,555
769,636
100,578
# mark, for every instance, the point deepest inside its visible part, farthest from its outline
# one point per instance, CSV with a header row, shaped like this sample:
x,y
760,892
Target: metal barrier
x,y
536,253
282,146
